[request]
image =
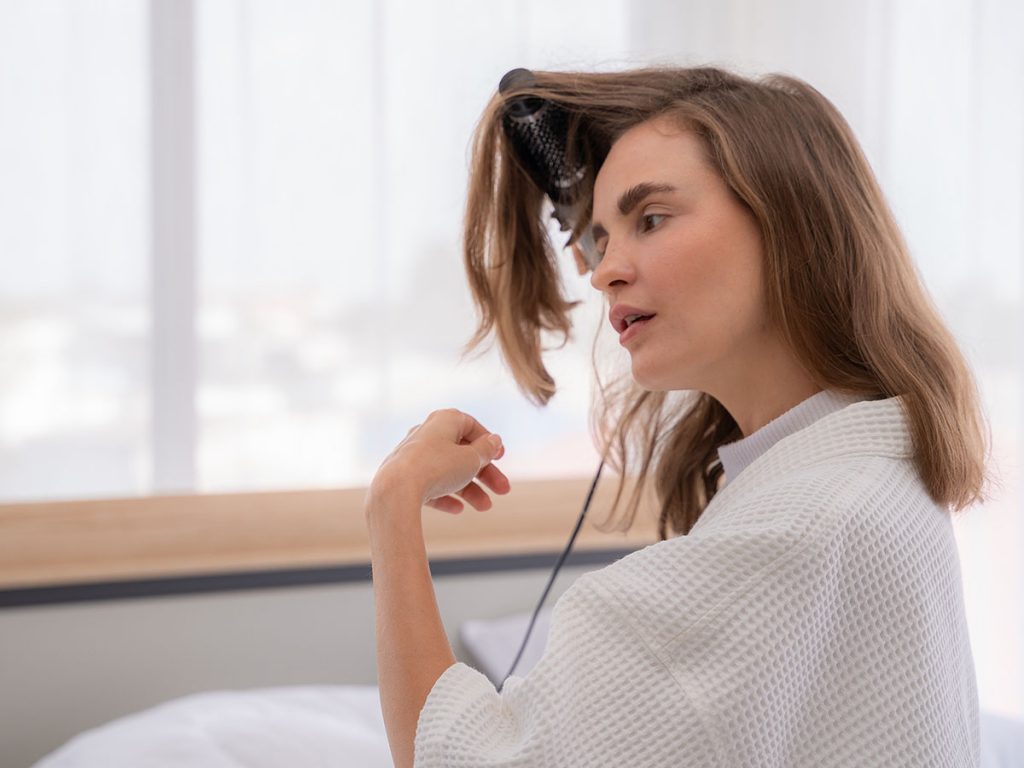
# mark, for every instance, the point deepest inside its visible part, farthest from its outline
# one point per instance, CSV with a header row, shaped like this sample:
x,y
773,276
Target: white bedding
x,y
288,727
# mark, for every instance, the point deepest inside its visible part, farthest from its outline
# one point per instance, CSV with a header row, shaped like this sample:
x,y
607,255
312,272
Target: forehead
x,y
655,149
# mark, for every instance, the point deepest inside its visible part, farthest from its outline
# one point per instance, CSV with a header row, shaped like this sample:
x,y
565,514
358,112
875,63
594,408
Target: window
x,y
325,193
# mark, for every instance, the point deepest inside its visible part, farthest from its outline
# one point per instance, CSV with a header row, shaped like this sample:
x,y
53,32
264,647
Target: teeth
x,y
630,319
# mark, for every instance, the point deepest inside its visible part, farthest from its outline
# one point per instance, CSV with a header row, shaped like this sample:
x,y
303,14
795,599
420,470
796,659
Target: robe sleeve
x,y
597,697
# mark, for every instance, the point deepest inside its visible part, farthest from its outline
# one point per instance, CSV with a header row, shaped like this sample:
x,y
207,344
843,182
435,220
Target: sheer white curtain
x,y
74,234
302,189
334,141
935,93
328,181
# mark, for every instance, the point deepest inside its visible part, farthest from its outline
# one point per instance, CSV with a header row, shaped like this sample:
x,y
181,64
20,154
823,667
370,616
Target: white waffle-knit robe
x,y
812,617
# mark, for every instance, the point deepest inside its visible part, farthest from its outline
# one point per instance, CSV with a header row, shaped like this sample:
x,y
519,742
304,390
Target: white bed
x,y
293,727
334,725
258,728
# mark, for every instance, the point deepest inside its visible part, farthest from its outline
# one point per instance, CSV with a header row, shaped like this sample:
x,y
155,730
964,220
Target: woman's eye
x,y
643,226
647,216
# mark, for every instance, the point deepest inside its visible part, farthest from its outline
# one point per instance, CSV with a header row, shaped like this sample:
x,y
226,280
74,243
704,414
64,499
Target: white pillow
x,y
494,643
1002,741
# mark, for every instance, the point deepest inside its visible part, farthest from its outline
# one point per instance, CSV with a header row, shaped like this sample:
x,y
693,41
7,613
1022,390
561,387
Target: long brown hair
x,y
839,280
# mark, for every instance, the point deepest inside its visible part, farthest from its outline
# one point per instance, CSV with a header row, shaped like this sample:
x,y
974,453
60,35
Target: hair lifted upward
x,y
840,283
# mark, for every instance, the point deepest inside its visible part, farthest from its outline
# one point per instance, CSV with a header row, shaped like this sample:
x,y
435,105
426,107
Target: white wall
x,y
67,668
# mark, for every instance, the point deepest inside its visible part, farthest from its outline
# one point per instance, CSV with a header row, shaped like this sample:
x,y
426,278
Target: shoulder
x,y
812,499
770,539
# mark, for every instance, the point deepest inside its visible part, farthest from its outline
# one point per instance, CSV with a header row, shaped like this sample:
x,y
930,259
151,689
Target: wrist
x,y
392,496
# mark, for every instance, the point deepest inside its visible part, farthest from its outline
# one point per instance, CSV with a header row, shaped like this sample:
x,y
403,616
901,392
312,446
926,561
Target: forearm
x,y
412,647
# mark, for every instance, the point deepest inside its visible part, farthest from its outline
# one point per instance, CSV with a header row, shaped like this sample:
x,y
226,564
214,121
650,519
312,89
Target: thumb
x,y
487,447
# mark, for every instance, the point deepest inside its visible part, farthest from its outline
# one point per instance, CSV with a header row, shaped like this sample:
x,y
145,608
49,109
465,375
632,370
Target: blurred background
x,y
230,231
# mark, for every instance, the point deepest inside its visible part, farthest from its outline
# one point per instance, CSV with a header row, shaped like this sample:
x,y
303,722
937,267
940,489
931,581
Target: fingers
x,y
476,496
465,429
468,429
494,479
460,426
490,475
472,493
446,504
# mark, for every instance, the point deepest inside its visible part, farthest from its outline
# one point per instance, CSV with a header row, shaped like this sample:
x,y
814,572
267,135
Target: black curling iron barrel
x,y
537,129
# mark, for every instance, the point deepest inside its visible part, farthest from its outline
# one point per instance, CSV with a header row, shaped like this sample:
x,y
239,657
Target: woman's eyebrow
x,y
631,198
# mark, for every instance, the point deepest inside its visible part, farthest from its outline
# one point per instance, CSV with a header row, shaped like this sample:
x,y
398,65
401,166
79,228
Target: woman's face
x,y
692,255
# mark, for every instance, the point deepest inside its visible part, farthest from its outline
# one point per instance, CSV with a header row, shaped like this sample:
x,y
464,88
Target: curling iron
x,y
536,128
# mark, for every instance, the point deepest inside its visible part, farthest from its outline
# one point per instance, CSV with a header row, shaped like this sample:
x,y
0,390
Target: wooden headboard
x,y
102,540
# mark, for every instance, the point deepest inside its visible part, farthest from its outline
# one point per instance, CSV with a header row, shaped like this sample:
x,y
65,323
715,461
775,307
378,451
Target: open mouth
x,y
634,328
640,319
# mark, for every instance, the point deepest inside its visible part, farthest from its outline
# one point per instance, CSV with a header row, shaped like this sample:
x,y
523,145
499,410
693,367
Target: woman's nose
x,y
614,266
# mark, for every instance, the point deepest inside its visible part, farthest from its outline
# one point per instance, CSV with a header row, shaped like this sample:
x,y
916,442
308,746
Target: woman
x,y
811,424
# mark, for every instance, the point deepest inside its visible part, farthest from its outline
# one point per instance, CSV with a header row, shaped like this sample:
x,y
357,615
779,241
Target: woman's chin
x,y
643,376
653,374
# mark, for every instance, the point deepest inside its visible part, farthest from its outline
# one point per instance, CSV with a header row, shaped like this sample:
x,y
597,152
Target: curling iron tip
x,y
515,78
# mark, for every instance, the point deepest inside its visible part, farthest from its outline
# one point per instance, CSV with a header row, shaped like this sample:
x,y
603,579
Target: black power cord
x,y
554,573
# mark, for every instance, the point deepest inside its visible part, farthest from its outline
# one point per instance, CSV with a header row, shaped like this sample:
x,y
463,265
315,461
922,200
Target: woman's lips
x,y
634,329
